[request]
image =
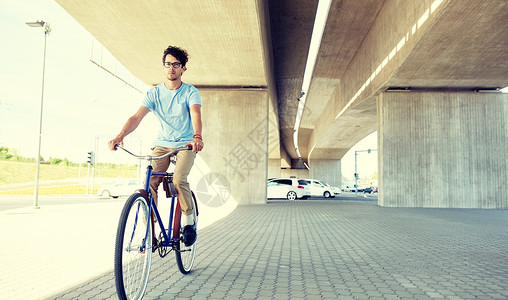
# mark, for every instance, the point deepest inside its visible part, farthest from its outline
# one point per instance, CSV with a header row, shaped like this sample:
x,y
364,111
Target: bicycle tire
x,y
132,261
185,255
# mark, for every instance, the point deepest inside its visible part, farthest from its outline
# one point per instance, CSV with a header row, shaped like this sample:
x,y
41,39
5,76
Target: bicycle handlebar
x,y
149,157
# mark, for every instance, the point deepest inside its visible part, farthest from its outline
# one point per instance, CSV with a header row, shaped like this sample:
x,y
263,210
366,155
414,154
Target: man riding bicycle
x,y
177,106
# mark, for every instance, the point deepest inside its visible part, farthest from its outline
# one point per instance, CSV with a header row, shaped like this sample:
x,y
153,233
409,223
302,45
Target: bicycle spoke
x,y
185,255
132,261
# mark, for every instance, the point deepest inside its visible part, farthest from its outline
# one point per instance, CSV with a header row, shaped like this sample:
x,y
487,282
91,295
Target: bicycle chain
x,y
162,250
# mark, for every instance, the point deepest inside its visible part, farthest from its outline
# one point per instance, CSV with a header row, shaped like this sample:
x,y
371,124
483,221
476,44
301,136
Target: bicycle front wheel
x,y
185,255
133,249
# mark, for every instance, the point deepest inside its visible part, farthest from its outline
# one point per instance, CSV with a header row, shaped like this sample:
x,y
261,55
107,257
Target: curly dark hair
x,y
178,53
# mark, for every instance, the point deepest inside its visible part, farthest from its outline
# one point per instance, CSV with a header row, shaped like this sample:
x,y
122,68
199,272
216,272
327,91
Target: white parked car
x,y
320,189
348,187
288,188
122,188
336,190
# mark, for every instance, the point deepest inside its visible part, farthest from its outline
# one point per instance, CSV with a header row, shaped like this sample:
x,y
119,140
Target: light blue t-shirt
x,y
172,109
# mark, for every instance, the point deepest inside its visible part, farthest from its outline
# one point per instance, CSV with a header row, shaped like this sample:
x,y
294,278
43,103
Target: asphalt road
x,y
19,201
343,196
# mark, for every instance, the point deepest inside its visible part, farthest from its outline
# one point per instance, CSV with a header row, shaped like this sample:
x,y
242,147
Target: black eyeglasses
x,y
175,65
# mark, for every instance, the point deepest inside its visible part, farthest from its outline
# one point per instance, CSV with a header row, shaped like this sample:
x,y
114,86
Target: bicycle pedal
x,y
155,245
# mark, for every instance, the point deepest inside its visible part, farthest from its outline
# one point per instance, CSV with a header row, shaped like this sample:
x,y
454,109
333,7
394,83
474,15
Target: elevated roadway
x,y
248,59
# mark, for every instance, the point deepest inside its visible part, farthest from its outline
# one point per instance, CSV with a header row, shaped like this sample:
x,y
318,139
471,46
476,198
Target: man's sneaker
x,y
189,235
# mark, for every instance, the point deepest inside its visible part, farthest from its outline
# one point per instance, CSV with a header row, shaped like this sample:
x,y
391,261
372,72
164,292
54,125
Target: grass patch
x,y
21,172
13,172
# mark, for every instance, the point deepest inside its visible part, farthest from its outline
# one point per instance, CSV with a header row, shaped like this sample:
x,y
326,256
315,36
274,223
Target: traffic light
x,y
90,158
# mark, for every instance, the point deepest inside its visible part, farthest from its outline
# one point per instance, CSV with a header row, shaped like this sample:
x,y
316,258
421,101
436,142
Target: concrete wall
x,y
327,170
298,173
443,149
235,130
273,168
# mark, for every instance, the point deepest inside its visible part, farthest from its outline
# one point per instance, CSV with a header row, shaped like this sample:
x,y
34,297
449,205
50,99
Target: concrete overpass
x,y
412,70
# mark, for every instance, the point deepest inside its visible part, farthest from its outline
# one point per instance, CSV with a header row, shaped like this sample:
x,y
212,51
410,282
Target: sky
x,y
84,106
82,102
367,162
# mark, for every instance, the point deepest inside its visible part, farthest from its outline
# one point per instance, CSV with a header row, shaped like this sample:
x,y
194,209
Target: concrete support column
x,y
443,149
235,132
327,170
274,168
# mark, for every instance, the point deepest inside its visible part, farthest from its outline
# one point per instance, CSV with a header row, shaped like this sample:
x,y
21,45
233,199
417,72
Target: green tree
x,y
56,161
4,153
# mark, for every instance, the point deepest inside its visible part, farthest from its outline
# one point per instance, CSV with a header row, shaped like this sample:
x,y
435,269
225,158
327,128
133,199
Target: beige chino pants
x,y
184,163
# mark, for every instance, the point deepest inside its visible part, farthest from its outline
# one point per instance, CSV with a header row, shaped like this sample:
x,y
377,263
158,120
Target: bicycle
x,y
135,237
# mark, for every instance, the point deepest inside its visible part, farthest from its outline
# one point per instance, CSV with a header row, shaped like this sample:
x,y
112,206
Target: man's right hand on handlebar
x,y
114,142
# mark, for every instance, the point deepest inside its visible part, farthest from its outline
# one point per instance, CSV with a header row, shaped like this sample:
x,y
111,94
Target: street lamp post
x,y
47,30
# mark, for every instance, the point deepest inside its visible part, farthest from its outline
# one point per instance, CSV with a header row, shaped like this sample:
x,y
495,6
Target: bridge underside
x,y
258,50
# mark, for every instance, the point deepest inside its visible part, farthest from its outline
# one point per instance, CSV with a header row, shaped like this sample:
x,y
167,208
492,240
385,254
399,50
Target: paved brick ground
x,y
335,249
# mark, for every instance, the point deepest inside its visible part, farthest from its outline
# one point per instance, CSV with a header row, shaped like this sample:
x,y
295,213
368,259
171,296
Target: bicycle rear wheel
x,y
185,255
133,252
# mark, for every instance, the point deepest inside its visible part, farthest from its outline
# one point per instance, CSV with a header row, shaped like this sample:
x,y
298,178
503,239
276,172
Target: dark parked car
x,y
370,190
